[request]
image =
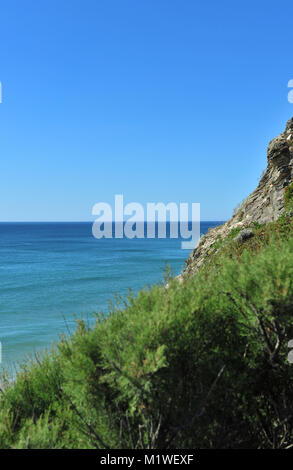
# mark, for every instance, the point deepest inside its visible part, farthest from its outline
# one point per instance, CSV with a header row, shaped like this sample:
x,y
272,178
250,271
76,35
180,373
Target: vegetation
x,y
201,364
288,197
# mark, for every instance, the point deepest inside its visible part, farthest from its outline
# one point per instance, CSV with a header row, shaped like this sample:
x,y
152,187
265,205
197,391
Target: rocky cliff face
x,y
264,205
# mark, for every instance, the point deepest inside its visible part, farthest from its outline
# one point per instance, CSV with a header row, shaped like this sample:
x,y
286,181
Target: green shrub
x,y
198,364
288,196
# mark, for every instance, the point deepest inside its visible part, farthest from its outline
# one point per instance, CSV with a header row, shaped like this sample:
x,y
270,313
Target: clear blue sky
x,y
161,100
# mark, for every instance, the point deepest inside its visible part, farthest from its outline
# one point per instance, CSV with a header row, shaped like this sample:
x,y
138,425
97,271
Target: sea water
x,y
53,273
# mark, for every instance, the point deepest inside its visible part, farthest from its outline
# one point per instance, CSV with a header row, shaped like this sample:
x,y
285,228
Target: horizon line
x,y
88,221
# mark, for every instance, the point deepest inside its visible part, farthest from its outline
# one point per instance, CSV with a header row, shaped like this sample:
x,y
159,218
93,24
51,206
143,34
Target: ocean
x,y
53,273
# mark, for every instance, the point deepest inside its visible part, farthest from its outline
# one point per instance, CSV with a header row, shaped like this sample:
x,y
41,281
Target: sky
x,y
158,100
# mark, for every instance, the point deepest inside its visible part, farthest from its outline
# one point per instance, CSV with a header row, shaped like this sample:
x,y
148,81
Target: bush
x,y
199,364
288,196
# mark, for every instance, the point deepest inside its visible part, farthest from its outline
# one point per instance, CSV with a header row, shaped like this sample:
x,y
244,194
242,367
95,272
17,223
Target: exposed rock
x,y
264,205
244,235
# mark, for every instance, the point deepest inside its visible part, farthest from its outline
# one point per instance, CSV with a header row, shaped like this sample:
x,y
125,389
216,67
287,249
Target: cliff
x,y
202,364
265,204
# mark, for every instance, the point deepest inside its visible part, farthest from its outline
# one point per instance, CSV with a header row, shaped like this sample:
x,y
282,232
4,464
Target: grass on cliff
x,y
198,364
263,235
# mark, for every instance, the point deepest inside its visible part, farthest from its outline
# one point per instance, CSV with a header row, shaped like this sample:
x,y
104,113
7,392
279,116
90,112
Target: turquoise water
x,y
51,273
